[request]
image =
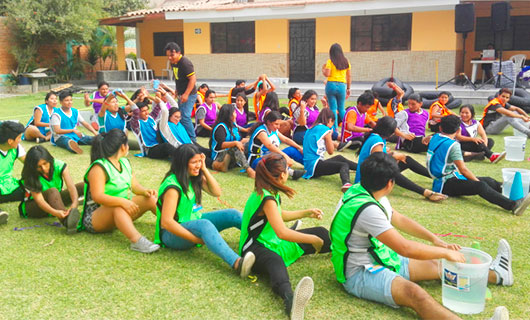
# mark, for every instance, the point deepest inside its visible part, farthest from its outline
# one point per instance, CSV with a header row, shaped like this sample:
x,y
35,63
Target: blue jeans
x,y
186,108
63,142
336,94
207,228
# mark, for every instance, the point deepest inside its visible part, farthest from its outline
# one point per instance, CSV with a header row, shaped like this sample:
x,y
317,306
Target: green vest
x,y
8,183
185,211
55,181
118,183
353,202
256,228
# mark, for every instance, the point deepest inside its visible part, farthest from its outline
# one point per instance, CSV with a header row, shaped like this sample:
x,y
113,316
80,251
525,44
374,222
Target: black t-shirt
x,y
236,91
493,114
182,70
219,136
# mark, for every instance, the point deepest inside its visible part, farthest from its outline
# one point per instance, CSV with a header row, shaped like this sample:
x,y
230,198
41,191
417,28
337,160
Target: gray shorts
x,y
89,209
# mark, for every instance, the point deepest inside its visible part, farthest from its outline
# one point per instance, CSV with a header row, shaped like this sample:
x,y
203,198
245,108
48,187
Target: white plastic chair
x,y
144,72
168,70
519,61
131,69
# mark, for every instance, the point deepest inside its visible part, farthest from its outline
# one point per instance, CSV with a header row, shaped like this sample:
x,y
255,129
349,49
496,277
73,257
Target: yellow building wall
x,y
433,31
197,43
146,30
332,30
120,49
272,36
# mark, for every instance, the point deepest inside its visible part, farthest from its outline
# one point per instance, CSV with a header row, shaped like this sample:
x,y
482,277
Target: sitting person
x,y
438,110
371,113
411,124
96,100
180,226
373,261
473,138
294,96
353,129
38,126
64,122
271,103
227,148
242,114
242,87
264,86
452,177
206,114
305,115
395,104
317,142
263,233
376,142
111,115
10,150
43,178
498,114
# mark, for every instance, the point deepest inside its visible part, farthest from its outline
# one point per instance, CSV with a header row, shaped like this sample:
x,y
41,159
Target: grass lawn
x,y
47,274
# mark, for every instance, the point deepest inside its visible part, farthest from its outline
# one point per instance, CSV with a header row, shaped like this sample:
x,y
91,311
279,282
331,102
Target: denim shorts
x,y
376,286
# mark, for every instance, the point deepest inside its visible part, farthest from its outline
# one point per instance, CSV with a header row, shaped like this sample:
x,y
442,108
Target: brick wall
x,y
7,62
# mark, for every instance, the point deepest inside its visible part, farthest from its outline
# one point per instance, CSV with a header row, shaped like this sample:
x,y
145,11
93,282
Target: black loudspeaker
x,y
464,18
500,16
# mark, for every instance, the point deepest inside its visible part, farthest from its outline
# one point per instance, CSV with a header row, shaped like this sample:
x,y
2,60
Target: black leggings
x,y
271,264
16,195
487,188
336,164
416,167
161,151
473,147
415,145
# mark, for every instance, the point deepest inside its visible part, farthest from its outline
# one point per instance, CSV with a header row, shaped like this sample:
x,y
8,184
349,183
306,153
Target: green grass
x,y
97,276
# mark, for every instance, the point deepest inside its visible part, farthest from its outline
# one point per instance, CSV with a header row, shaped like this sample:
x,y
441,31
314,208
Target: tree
x,y
117,8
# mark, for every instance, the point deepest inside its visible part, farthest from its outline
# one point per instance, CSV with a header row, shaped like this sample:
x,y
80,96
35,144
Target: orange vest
x,y
197,104
491,103
391,112
293,100
371,113
258,103
229,100
443,110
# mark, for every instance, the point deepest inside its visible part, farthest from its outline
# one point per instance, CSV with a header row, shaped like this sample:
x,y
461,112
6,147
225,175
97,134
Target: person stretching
x,y
498,114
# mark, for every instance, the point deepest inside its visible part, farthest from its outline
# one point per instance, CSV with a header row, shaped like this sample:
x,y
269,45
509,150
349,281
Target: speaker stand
x,y
461,79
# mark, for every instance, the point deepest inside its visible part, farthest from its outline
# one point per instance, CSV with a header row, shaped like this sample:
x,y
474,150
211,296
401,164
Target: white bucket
x,y
464,284
514,147
507,180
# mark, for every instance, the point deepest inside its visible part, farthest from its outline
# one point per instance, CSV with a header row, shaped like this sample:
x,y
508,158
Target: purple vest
x,y
311,117
211,114
241,118
95,105
262,114
470,130
417,122
359,123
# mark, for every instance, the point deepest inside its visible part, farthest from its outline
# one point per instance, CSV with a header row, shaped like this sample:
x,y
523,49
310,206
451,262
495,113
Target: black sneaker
x,y
297,174
70,222
474,156
4,216
521,205
343,145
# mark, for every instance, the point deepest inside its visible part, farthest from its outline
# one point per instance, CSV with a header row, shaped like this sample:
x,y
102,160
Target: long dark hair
x,y
30,175
245,106
271,101
271,116
268,171
323,117
107,144
179,167
337,57
225,116
384,127
292,91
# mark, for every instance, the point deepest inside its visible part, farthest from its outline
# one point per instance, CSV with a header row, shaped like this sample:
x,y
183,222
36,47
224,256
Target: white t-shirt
x,y
55,120
21,151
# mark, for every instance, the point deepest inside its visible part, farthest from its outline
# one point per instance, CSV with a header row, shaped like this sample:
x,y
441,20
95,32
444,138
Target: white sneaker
x,y
302,294
297,225
145,246
246,263
501,313
4,216
502,265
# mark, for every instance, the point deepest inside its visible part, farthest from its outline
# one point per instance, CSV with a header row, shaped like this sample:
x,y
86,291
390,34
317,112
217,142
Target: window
x,y
160,39
517,37
381,33
232,37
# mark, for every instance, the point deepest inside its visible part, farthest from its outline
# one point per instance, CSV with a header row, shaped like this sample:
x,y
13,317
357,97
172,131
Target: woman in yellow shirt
x,y
337,70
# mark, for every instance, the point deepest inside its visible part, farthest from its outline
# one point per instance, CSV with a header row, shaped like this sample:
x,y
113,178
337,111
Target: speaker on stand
x,y
464,23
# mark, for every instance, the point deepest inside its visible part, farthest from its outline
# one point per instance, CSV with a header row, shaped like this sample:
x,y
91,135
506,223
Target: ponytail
x,y
268,173
107,144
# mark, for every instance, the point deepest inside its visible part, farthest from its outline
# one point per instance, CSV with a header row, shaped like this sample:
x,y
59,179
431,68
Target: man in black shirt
x,y
185,80
242,87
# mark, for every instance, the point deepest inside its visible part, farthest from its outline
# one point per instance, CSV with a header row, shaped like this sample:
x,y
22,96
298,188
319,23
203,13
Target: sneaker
x,y
356,145
469,156
70,222
302,294
496,157
296,225
245,264
4,216
345,187
74,147
343,145
37,140
297,174
500,313
502,265
145,246
521,205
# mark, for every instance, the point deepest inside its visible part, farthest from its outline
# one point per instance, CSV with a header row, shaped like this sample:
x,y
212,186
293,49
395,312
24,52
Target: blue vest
x,y
45,118
148,132
68,123
111,121
179,132
366,150
437,154
314,148
234,136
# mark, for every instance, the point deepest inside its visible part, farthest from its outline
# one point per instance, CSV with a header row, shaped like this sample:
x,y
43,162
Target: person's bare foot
x,y
251,173
434,196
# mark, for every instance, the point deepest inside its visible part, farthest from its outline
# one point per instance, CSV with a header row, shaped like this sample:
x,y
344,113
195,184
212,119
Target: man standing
x,y
185,80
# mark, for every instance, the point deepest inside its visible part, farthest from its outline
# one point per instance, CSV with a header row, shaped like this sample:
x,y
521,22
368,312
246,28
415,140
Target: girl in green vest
x,y
43,178
180,225
275,246
10,150
108,183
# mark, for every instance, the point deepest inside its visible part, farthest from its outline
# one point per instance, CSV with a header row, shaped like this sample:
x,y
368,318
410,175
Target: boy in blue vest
x,y
451,176
64,122
374,261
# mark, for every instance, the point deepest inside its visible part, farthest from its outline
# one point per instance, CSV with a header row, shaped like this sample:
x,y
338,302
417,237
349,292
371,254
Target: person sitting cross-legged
x,y
373,261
